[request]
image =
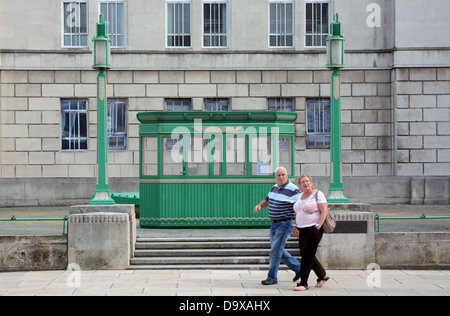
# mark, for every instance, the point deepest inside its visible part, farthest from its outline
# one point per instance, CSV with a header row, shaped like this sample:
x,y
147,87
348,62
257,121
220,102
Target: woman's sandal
x,y
300,287
320,283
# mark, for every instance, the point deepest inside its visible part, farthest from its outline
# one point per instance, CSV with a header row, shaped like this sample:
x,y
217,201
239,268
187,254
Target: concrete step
x,y
201,260
200,239
206,253
205,267
198,252
208,243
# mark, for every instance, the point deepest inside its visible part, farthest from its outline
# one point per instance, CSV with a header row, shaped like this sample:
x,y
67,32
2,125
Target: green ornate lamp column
x,y
335,61
102,62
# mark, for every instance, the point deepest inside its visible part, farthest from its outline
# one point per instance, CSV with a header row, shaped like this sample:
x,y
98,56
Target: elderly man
x,y
280,201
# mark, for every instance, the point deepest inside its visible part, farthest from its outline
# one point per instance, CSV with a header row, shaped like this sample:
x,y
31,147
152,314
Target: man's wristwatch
x,y
318,226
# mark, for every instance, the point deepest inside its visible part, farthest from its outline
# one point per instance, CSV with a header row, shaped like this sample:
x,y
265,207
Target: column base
x,y
337,196
101,198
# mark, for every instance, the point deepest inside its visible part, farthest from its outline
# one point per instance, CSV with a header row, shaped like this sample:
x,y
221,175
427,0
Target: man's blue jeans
x,y
279,234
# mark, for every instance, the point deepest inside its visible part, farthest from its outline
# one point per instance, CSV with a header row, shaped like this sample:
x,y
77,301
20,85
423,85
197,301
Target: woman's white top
x,y
307,211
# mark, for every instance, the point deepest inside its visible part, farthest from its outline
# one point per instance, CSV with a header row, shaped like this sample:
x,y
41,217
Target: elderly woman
x,y
311,211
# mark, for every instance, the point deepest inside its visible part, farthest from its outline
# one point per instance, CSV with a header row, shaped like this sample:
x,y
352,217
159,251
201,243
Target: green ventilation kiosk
x,y
209,169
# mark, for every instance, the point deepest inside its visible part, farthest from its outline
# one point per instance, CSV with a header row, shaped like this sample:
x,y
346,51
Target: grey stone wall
x,y
22,253
395,124
412,250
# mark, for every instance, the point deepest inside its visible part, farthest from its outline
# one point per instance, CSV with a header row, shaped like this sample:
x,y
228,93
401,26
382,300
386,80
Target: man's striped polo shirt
x,y
281,201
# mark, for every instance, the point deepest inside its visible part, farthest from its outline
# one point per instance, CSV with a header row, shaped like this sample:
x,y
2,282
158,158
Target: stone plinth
x,y
116,208
101,237
352,244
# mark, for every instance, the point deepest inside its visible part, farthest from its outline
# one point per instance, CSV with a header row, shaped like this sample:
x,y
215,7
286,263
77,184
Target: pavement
x,y
225,284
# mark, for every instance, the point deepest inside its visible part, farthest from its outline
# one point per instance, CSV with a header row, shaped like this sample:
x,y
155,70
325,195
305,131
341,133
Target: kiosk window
x,y
150,156
172,156
285,153
216,153
236,155
262,157
198,160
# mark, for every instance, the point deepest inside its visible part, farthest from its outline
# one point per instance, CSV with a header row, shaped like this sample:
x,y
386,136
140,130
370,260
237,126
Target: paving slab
x,y
199,283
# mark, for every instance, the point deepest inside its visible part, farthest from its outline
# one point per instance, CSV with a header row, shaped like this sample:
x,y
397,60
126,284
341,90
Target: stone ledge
x,y
413,250
352,216
100,217
351,207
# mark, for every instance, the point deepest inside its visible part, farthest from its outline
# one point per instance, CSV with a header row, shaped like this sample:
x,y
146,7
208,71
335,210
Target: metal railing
x,y
15,219
423,216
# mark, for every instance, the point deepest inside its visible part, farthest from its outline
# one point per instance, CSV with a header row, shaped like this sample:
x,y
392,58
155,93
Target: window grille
x,y
215,24
216,104
178,105
179,23
75,23
318,123
317,23
280,104
74,125
281,33
117,124
114,13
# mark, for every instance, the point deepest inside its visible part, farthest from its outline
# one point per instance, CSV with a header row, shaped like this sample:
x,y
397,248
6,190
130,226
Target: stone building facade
x,y
395,88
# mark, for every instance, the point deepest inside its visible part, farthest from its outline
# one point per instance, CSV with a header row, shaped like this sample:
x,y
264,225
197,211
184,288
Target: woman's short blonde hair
x,y
305,175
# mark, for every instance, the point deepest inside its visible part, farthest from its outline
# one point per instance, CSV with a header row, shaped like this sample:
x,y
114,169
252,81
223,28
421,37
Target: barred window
x,y
318,118
117,124
280,104
75,23
114,13
281,32
178,23
178,105
74,125
215,24
216,104
317,23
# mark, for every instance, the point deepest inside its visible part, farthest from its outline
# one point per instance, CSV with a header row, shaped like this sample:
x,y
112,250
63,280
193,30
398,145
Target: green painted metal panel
x,y
145,129
202,204
215,117
126,197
